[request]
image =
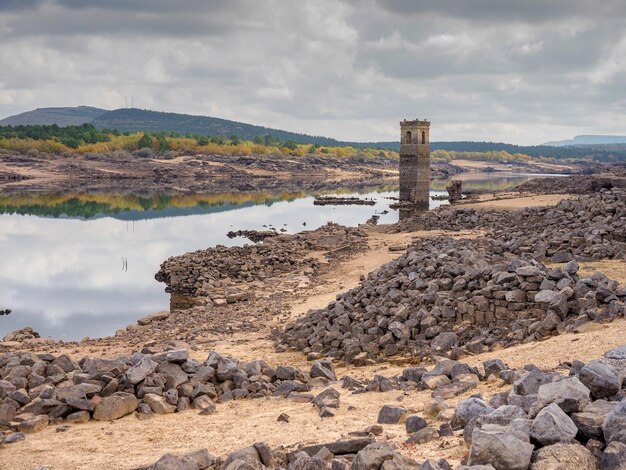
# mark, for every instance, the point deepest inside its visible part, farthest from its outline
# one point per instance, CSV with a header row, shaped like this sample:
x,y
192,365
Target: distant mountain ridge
x,y
599,148
61,116
589,140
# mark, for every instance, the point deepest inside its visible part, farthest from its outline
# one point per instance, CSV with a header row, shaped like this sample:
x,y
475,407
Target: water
x,y
83,265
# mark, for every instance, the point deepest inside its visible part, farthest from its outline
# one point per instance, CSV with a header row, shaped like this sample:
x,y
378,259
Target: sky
x,y
495,70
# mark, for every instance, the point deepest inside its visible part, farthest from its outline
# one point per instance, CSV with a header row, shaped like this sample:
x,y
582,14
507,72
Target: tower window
x,y
408,137
423,137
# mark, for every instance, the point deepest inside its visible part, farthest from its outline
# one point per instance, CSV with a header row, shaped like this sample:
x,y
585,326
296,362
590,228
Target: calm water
x,y
61,256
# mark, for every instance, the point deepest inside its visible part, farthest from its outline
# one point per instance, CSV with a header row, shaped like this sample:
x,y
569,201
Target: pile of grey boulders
x,y
356,454
229,273
562,419
444,297
590,227
40,389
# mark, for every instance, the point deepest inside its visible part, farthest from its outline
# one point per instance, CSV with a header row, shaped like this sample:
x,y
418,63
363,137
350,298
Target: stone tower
x,y
415,162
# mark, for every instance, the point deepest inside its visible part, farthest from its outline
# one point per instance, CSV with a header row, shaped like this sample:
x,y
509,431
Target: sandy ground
x,y
131,442
512,201
472,165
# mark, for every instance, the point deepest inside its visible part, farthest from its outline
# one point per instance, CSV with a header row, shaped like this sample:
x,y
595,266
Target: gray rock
x,y
249,455
414,423
392,414
158,404
144,368
174,462
529,383
328,398
613,457
589,421
15,437
614,426
618,353
552,425
115,406
323,369
373,456
424,435
601,379
570,394
501,450
563,457
468,409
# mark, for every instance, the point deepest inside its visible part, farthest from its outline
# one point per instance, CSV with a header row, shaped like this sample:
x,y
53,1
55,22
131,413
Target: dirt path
x,y
512,201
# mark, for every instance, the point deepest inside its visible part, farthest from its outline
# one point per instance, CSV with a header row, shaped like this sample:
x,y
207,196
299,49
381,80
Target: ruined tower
x,y
415,162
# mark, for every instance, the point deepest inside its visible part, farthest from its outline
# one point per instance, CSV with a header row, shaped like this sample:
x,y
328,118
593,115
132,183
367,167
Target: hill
x,y
66,116
133,120
590,140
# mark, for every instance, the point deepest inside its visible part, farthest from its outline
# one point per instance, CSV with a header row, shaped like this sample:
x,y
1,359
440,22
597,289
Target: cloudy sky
x,y
501,70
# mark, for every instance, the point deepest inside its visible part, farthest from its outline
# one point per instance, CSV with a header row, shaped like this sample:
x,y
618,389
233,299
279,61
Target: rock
x,y
614,426
327,398
552,425
373,456
570,394
613,457
115,406
15,437
501,450
589,421
341,447
601,379
529,383
323,369
392,414
249,455
7,413
563,457
78,417
36,424
468,409
158,404
145,367
414,423
423,436
283,418
493,367
444,342
155,317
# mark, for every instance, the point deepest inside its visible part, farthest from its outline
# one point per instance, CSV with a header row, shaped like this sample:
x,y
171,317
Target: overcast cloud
x,y
501,70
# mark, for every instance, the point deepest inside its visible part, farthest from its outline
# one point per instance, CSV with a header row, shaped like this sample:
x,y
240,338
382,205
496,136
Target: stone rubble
x,y
41,389
444,297
226,275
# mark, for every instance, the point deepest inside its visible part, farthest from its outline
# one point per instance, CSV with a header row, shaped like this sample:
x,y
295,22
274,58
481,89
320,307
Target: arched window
x,y
423,137
408,137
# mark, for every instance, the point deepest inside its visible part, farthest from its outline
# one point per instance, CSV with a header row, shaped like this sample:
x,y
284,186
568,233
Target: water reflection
x,y
83,265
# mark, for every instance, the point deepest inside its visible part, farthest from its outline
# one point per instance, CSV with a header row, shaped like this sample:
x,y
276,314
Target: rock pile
x,y
445,297
591,227
23,334
356,454
549,419
38,389
227,274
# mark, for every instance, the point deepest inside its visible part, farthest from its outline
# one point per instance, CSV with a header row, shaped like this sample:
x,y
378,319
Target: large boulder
x,y
570,394
614,426
392,414
502,450
144,368
373,456
115,406
468,409
563,457
552,425
613,457
601,379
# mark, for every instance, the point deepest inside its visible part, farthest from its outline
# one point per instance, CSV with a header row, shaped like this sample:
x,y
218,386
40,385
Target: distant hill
x,y
596,147
132,120
589,140
60,116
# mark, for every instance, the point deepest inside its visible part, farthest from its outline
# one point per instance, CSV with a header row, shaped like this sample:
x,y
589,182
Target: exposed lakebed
x,y
83,265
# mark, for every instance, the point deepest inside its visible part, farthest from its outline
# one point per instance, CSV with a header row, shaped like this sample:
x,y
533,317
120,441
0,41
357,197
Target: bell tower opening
x,y
408,137
423,137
